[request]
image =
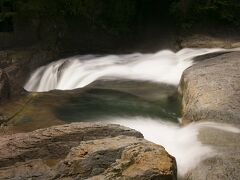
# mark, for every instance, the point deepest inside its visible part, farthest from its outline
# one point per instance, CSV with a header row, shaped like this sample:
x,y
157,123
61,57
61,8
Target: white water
x,y
79,71
162,67
180,142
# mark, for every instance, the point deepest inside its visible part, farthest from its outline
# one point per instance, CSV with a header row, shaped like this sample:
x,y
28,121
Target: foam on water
x,y
179,141
79,71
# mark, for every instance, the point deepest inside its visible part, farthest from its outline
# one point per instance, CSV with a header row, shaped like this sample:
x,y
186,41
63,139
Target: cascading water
x,y
79,71
181,142
162,67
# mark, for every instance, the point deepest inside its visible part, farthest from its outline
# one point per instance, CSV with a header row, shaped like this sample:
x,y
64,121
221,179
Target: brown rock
x,y
210,91
55,142
120,157
95,151
34,169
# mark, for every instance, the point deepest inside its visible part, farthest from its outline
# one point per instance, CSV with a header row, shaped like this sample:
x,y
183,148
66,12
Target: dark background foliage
x,y
70,23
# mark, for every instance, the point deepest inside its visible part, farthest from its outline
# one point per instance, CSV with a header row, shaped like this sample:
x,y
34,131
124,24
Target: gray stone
x,y
210,91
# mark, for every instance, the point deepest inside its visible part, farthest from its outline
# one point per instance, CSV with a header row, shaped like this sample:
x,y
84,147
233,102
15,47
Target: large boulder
x,y
84,150
210,90
121,157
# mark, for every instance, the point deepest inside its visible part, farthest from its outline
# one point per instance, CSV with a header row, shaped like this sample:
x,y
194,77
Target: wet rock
x,y
225,164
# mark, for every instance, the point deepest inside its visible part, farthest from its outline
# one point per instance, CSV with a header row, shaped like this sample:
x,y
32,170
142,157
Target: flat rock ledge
x,y
84,151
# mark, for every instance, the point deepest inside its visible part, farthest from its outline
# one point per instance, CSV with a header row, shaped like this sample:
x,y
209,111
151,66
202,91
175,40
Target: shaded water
x,y
117,99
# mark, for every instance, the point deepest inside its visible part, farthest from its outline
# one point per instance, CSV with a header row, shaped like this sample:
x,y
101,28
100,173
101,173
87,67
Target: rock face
x,y
18,64
211,90
120,157
84,150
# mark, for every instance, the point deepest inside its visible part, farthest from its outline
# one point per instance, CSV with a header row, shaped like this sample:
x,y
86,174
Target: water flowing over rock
x,y
77,72
99,151
211,92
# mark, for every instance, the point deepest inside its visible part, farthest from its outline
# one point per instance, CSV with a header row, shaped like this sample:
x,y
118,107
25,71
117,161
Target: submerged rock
x,y
84,150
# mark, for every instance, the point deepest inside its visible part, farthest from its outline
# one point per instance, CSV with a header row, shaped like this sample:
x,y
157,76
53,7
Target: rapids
x,y
79,71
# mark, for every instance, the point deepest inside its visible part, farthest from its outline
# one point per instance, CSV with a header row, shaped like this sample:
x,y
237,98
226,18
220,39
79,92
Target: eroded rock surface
x,y
81,151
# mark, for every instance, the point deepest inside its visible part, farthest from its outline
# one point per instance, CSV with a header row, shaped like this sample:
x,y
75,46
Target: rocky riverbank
x,y
84,150
210,91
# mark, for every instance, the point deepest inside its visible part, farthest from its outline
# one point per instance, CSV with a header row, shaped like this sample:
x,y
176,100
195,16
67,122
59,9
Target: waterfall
x,y
79,71
161,67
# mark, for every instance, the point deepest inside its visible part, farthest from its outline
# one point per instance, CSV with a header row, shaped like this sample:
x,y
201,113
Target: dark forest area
x,y
93,25
120,89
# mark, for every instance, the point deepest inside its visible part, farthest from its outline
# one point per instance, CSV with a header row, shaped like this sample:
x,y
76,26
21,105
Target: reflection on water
x,y
98,101
120,98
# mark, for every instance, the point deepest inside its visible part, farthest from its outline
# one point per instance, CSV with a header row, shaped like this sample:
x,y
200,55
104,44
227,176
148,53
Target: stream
x,y
135,90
